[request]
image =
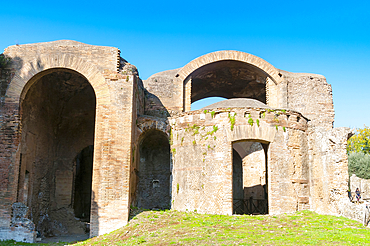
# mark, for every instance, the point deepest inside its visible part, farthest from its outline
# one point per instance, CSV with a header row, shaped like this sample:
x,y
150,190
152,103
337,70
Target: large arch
x,y
272,74
58,120
28,72
32,70
110,144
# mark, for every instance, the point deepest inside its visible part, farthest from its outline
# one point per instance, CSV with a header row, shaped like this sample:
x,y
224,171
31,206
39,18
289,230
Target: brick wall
x,y
306,159
9,138
113,127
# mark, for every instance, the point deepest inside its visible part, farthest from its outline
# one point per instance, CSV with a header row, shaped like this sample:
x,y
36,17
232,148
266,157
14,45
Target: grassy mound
x,y
178,228
171,227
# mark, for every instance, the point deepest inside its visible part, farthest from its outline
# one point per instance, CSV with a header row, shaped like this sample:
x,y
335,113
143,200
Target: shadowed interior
x,y
154,172
228,79
58,120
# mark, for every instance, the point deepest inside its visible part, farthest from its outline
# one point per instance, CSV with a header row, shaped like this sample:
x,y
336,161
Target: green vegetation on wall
x,y
4,61
232,120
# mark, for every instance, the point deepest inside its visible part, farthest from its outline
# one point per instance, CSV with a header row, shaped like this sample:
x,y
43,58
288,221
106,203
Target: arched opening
x,y
154,171
58,121
250,193
228,79
82,183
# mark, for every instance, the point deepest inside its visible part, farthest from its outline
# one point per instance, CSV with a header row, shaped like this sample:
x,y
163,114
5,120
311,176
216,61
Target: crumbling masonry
x,y
83,138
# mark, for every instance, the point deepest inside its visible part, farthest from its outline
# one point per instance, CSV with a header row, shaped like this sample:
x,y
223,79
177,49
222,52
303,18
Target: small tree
x,y
359,164
358,150
360,142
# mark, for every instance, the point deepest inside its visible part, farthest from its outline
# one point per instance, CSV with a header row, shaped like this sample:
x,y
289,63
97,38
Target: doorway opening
x,y
250,193
154,171
58,121
82,184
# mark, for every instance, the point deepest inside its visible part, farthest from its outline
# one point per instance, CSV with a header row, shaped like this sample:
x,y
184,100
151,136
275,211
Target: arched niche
x,y
154,171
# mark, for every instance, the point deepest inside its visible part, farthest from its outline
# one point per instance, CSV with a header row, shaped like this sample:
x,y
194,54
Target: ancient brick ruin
x,y
83,138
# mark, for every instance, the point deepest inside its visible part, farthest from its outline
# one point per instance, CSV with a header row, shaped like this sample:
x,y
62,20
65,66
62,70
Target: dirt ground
x,y
68,238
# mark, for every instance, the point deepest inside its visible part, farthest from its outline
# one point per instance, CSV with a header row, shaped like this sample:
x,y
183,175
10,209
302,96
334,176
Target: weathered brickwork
x,y
202,153
329,169
9,136
67,108
162,93
254,168
311,95
113,123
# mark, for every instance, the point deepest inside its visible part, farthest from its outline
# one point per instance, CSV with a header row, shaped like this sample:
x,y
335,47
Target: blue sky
x,y
331,38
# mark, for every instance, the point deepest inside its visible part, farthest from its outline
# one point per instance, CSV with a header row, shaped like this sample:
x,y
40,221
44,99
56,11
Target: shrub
x,y
359,164
4,61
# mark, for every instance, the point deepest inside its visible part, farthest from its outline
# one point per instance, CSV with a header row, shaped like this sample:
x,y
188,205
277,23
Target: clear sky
x,y
331,38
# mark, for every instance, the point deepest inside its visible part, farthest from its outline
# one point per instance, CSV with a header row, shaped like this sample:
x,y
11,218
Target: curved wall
x,y
202,157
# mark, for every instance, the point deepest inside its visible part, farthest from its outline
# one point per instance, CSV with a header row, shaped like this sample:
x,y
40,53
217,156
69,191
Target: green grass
x,y
178,228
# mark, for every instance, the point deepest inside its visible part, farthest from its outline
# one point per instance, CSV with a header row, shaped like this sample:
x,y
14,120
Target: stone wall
x,y
154,171
354,210
58,116
144,124
328,168
202,158
288,175
112,157
310,95
162,93
254,168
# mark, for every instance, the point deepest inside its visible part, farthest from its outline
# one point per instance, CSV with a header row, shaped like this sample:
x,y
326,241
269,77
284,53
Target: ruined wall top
x,y
255,78
96,63
104,58
175,90
229,55
311,95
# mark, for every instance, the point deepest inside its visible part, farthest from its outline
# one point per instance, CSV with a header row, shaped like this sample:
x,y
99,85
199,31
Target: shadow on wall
x,y
58,119
8,66
253,202
82,184
94,216
9,138
154,106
